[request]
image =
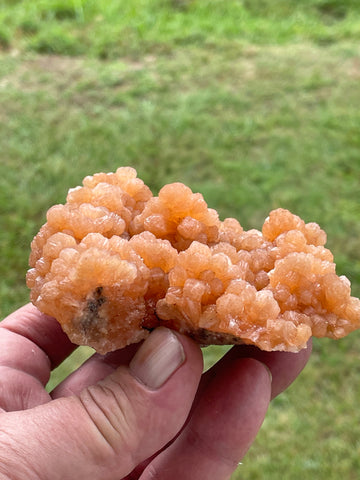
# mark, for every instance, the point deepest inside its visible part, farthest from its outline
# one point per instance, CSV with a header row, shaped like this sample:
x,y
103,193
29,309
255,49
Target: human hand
x,y
144,412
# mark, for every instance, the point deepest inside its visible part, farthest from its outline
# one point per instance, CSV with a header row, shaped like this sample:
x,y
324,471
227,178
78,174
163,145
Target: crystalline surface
x,y
115,262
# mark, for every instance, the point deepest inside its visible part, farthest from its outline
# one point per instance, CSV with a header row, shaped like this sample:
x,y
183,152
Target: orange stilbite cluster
x,y
115,262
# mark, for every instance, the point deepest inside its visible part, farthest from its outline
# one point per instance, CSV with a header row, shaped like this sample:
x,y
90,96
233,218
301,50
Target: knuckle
x,y
112,411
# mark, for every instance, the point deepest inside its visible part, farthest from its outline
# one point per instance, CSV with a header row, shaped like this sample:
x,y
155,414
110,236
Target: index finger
x,y
284,366
42,330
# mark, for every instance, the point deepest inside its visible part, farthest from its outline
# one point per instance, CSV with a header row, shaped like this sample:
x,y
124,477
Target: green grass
x,y
254,104
108,29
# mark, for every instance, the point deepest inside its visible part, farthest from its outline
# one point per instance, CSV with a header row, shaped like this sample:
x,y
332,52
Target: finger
x,y
19,353
24,370
20,391
221,428
44,331
113,425
284,366
96,368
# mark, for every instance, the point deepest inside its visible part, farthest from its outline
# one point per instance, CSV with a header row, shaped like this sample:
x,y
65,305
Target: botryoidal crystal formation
x,y
114,262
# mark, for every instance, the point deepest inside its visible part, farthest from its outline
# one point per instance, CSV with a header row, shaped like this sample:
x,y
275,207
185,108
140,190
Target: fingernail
x,y
157,358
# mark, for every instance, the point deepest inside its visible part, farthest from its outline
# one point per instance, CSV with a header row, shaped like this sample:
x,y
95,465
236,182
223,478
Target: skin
x,y
103,423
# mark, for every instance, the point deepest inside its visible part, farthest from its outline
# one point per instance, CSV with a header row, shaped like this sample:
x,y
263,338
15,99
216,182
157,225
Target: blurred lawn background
x,y
254,103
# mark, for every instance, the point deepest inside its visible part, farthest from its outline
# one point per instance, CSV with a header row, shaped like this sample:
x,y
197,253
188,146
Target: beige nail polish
x,y
158,358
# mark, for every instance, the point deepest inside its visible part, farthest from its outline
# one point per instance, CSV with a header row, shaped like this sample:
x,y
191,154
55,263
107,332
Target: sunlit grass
x,y
74,361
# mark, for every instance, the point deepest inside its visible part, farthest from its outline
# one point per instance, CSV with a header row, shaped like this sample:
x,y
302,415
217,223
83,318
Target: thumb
x,y
111,427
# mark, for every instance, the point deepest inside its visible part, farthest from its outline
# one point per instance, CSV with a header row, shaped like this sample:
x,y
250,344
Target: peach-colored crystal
x,y
115,262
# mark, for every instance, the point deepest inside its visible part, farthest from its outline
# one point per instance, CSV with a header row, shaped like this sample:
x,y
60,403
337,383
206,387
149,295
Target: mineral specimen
x,y
114,262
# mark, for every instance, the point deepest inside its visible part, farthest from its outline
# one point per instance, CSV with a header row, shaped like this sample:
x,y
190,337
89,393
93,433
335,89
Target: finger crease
x,y
98,423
